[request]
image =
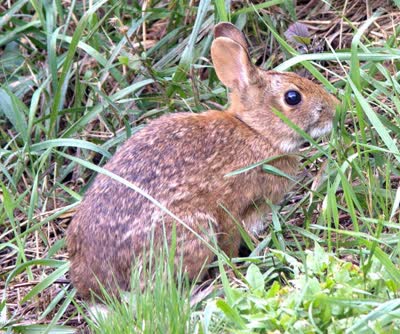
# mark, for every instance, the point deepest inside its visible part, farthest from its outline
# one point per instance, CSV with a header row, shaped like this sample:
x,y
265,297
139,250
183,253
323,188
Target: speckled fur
x,y
181,160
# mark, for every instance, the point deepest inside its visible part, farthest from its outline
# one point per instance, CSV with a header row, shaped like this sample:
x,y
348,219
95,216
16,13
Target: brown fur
x,y
182,159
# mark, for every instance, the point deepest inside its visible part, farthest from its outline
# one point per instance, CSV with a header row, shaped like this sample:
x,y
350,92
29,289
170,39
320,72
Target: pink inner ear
x,y
244,78
244,67
231,62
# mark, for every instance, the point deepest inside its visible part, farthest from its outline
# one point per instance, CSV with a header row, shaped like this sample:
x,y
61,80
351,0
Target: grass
x,y
167,295
77,79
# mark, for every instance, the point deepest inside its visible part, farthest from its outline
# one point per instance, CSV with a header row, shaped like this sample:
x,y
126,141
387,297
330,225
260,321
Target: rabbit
x,y
182,160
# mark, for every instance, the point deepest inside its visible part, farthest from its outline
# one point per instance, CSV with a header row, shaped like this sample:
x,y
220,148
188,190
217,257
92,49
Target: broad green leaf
x,y
255,278
231,313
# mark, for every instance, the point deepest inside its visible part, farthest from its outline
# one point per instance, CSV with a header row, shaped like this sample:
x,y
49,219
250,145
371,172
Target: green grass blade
x,y
252,8
46,282
13,34
188,53
375,121
4,19
66,142
15,111
382,310
340,56
221,11
231,313
355,65
93,112
58,94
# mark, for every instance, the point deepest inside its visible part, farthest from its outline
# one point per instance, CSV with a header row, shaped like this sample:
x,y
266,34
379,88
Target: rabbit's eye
x,y
292,97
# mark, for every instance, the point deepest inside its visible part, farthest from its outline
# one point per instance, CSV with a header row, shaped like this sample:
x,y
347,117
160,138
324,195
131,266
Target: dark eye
x,y
292,97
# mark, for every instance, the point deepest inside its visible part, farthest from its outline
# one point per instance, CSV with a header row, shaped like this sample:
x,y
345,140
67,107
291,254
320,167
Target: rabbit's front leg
x,y
254,217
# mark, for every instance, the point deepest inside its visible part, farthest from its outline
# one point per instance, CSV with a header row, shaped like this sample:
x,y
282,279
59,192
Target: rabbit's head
x,y
256,94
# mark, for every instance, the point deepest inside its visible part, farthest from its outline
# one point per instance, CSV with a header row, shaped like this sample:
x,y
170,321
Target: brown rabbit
x,y
182,160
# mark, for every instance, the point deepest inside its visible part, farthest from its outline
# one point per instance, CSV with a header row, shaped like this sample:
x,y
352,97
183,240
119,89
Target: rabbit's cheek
x,y
315,115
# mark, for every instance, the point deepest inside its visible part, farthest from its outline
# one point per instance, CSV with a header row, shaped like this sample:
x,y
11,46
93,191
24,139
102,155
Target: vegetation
x,y
77,78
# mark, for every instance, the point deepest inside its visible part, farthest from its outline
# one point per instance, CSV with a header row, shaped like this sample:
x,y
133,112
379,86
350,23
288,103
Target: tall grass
x,y
77,80
159,300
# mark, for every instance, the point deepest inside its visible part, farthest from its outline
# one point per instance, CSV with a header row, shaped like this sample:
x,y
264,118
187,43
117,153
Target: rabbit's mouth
x,y
289,145
321,130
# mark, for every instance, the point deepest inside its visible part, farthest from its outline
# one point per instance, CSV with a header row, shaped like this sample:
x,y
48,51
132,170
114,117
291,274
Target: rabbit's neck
x,y
263,142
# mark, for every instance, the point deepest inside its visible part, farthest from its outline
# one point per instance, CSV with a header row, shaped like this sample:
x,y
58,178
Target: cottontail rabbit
x,y
182,160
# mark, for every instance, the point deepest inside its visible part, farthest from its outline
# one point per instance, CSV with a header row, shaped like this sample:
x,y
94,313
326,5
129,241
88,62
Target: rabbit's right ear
x,y
230,58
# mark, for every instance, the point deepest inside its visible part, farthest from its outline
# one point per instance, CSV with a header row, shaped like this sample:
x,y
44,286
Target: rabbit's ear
x,y
232,63
226,29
